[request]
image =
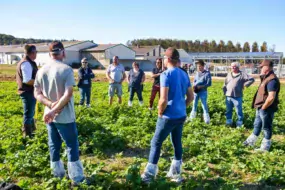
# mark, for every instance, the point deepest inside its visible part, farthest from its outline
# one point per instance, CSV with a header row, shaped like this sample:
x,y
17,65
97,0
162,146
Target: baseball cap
x,y
56,47
266,63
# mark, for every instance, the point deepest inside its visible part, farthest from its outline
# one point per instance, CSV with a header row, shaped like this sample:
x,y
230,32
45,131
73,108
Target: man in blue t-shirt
x,y
174,86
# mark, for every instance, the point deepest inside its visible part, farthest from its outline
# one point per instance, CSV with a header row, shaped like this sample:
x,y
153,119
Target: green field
x,y
114,143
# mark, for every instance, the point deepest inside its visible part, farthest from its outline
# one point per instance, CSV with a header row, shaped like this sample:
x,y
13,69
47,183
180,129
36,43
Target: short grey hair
x,y
237,64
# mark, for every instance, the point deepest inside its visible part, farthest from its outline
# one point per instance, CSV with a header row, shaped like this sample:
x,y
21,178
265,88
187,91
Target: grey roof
x,y
41,47
101,47
143,50
237,55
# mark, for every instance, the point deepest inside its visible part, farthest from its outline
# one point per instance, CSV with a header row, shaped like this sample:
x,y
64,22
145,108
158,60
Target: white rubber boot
x,y
265,145
175,171
57,169
75,171
130,103
206,118
150,172
251,140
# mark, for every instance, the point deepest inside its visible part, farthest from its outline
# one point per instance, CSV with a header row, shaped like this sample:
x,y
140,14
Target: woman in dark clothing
x,y
85,75
156,84
136,79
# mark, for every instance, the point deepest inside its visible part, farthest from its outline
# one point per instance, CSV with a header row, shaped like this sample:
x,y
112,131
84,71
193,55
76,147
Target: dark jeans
x,y
66,132
263,120
137,90
164,127
154,91
85,91
29,104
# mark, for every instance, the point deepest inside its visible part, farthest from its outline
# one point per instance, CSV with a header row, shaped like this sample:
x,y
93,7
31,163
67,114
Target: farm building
x,y
102,55
147,55
12,54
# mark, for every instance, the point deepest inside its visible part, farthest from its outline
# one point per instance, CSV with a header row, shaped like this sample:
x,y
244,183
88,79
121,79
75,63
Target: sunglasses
x,y
85,62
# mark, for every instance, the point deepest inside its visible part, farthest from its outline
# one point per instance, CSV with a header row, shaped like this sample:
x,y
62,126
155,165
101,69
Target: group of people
x,y
52,85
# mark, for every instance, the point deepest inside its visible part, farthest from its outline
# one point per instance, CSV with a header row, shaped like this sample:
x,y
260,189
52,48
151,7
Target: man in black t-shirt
x,y
156,84
265,102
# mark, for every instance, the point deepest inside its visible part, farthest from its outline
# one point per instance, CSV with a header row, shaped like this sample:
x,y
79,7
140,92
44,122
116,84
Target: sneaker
x,y
149,173
141,103
251,140
150,109
130,103
88,105
265,145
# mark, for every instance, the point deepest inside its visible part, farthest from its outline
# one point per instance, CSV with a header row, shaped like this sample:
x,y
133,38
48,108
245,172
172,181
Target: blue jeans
x,y
237,103
137,90
203,95
85,91
66,132
29,104
263,120
164,127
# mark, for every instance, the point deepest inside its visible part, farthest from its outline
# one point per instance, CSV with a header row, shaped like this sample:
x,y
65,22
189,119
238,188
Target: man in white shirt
x,y
116,75
25,76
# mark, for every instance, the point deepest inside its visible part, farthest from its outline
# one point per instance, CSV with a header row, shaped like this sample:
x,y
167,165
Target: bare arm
x,y
189,96
128,78
155,75
269,100
41,98
109,77
48,118
162,103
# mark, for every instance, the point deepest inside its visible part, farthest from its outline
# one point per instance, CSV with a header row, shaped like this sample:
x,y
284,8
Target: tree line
x,y
203,46
11,40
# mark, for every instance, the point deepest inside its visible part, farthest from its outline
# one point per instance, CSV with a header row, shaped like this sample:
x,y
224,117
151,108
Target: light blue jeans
x,y
237,103
67,132
203,95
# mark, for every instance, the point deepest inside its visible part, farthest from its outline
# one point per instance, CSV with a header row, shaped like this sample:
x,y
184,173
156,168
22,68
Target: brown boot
x,y
27,131
34,127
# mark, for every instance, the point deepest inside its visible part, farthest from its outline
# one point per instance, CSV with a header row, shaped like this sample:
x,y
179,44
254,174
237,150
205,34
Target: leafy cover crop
x,y
114,144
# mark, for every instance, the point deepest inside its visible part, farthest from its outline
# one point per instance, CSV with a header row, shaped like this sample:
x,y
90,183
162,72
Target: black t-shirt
x,y
273,85
156,79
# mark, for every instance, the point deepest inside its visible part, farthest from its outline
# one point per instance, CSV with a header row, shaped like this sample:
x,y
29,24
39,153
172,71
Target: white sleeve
x,y
27,71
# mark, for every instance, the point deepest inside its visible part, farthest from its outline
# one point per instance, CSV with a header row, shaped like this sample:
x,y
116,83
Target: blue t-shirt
x,y
178,83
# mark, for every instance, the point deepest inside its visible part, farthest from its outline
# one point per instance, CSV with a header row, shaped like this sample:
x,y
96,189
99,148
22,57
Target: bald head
x,y
173,55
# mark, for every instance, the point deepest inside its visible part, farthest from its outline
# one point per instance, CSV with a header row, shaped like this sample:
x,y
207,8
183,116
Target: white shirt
x,y
27,71
116,72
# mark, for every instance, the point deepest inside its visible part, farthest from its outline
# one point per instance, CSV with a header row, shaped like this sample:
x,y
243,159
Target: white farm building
x,y
12,54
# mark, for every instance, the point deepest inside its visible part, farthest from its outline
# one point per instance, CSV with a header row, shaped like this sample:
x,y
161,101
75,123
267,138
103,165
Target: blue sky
x,y
113,21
